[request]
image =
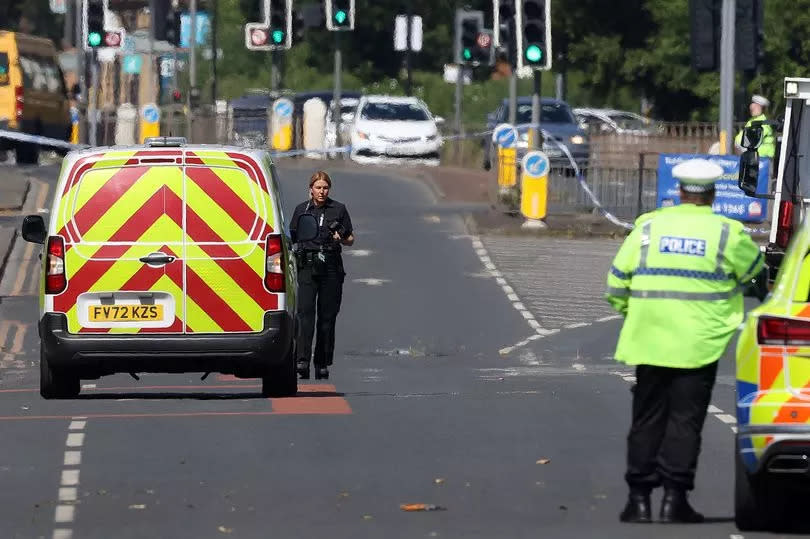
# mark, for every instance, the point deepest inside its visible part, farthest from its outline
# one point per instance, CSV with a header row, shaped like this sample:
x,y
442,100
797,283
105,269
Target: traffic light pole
x,y
336,96
409,82
92,100
727,76
537,140
459,100
513,97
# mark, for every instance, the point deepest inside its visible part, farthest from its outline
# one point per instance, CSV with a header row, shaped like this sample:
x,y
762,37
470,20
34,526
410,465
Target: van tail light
x,y
19,102
784,224
783,331
55,278
274,266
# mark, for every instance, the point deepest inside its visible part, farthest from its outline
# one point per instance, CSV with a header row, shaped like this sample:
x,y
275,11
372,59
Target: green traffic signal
x,y
340,16
534,53
94,39
467,54
278,36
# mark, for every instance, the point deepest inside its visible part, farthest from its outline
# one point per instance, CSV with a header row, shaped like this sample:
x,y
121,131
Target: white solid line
x,y
500,280
490,266
726,418
519,306
734,430
75,439
609,318
77,425
712,409
535,324
508,289
481,252
513,297
579,325
630,378
78,417
68,494
505,351
497,274
578,367
73,458
527,315
62,533
535,337
64,513
88,386
70,477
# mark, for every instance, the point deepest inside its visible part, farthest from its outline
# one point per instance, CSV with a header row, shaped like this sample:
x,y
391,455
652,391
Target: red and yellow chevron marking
x,y
119,206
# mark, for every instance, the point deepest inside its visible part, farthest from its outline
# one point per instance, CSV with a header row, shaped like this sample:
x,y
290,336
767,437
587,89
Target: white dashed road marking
x,y
65,512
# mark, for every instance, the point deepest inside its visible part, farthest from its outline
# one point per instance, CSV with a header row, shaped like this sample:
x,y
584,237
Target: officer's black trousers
x,y
319,293
669,408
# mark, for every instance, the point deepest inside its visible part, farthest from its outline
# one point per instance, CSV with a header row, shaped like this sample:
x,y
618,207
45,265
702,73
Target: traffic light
x,y
281,24
504,29
252,10
704,19
469,26
339,15
536,34
95,23
167,22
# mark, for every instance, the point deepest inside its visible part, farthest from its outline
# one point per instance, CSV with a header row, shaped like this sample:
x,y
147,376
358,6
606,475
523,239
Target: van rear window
x,y
4,77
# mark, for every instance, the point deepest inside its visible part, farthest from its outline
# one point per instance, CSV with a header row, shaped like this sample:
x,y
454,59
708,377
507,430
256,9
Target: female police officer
x,y
320,275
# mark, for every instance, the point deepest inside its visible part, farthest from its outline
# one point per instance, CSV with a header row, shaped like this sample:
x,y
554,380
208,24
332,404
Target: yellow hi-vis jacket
x,y
677,279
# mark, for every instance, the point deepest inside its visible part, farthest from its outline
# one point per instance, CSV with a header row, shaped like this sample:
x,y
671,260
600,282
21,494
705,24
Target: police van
x,y
166,258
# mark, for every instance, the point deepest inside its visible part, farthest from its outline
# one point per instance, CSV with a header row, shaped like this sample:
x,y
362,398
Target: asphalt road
x,y
455,383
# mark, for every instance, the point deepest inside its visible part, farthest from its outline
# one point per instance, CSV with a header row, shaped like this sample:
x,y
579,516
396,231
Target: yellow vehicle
x,y
773,395
167,257
33,98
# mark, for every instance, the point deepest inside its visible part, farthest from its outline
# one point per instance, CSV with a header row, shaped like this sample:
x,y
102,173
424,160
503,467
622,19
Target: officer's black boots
x,y
675,508
637,509
303,369
321,373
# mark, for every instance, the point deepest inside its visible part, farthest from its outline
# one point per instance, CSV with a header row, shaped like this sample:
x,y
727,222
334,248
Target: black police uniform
x,y
320,280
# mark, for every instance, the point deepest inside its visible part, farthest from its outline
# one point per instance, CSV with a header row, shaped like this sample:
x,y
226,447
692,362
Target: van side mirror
x,y
307,229
33,229
752,136
748,178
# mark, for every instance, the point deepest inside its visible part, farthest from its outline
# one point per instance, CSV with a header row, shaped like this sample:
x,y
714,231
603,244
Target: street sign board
x,y
283,108
535,164
505,135
401,33
150,113
131,64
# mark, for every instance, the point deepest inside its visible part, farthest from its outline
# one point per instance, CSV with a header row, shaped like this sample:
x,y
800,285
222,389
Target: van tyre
x,y
750,503
54,384
282,381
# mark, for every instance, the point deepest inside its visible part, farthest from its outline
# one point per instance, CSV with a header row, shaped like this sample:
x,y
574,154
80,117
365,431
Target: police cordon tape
x,y
40,140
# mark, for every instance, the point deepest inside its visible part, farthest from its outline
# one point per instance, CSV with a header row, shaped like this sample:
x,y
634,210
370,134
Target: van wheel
x,y
54,384
282,381
750,508
27,153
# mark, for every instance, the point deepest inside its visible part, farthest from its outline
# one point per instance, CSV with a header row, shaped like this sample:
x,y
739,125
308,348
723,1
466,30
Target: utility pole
x,y
192,61
214,22
408,28
513,97
338,82
728,18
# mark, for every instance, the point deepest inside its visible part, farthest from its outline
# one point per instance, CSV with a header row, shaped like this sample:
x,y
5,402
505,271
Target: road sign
x,y
401,31
283,108
505,135
484,40
282,124
150,121
132,64
150,113
166,67
58,6
534,189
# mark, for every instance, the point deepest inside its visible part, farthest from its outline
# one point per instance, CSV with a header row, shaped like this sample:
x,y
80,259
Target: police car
x,y
773,396
166,257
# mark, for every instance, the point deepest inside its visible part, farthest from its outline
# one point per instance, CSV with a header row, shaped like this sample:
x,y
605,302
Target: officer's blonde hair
x,y
318,176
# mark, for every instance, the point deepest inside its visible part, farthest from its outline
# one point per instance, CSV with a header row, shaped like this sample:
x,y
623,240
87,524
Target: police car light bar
x,y
164,142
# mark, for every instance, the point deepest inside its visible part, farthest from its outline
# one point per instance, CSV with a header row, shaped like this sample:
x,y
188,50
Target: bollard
x,y
150,121
74,125
505,138
314,127
126,119
281,122
534,189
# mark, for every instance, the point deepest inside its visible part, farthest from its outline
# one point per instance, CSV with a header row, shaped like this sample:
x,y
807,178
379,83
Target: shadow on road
x,y
153,395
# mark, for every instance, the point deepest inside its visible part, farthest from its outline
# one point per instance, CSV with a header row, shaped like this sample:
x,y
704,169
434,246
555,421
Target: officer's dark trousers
x,y
669,408
319,293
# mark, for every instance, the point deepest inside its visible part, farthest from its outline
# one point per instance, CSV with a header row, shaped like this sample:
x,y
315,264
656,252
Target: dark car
x,y
556,120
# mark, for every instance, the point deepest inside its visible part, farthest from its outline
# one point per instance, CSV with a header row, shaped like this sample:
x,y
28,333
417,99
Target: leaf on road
x,y
223,529
368,517
543,461
413,507
137,506
439,480
563,508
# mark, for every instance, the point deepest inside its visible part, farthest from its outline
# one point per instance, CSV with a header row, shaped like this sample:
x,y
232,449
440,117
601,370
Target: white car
x,y
606,121
348,106
386,128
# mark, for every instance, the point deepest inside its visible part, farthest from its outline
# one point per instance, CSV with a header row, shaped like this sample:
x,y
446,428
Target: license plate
x,y
125,313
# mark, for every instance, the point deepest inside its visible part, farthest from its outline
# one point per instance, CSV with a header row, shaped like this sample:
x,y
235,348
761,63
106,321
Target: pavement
x,y
473,371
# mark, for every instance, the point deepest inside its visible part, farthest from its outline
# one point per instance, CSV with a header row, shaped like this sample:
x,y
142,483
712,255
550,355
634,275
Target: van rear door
x,y
229,215
121,217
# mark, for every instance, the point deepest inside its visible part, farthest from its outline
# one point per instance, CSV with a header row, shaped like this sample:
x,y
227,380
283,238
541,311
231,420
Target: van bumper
x,y
91,355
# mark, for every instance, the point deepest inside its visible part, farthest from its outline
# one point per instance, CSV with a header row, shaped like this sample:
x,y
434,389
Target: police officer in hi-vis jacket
x,y
677,279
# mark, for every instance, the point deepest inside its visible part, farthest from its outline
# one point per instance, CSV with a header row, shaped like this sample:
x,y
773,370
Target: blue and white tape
x,y
42,141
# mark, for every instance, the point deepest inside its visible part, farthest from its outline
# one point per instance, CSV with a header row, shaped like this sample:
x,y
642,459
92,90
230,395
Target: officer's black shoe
x,y
637,509
321,373
303,370
675,508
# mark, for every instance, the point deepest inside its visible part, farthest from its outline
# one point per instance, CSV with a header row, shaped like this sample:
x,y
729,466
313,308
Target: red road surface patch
x,y
315,399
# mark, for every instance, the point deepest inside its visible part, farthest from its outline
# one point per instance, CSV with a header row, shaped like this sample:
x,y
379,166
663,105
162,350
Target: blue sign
x,y
729,200
505,135
535,164
132,64
150,113
283,108
203,28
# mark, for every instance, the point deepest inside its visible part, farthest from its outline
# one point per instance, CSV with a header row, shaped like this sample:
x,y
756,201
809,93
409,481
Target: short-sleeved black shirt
x,y
331,211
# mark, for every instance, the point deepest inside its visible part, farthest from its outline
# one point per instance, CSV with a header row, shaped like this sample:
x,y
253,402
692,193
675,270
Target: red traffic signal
x,y
113,38
177,96
258,36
